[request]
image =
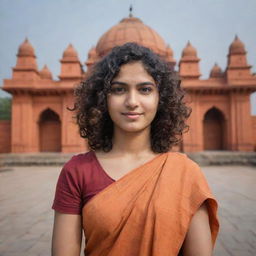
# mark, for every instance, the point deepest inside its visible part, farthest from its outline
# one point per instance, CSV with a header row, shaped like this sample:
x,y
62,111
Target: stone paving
x,y
26,217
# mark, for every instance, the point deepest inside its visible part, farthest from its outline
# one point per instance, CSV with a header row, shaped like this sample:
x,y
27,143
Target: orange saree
x,y
148,211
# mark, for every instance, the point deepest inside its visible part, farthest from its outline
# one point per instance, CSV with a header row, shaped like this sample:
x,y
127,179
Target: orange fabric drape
x,y
147,212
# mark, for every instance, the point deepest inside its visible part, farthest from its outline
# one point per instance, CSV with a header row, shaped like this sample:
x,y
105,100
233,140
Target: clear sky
x,y
51,25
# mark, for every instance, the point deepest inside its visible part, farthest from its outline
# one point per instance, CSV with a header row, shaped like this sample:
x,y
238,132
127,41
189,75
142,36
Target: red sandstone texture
x,y
5,136
220,119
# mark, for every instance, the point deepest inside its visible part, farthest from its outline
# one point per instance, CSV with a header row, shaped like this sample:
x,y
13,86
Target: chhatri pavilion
x,y
40,121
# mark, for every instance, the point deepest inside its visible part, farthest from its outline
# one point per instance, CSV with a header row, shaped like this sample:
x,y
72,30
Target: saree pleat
x,y
147,212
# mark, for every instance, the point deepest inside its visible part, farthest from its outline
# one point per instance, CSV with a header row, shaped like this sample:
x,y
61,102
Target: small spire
x,y
45,73
130,10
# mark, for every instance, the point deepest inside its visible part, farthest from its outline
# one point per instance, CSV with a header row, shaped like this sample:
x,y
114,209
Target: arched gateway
x,y
214,130
49,131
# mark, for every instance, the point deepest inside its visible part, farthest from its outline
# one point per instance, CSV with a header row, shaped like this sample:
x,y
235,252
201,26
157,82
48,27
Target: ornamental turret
x,y
26,65
45,73
237,67
71,67
216,71
92,58
189,63
169,57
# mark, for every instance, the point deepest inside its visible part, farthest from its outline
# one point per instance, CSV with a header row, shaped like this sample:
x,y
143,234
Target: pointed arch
x,y
214,129
49,131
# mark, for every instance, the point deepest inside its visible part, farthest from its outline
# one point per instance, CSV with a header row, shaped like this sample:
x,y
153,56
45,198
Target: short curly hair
x,y
91,109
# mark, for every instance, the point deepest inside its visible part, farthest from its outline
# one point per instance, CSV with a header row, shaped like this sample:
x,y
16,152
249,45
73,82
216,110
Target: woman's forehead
x,y
133,70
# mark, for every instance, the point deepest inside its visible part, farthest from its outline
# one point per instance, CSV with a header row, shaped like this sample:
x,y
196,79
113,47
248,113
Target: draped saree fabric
x,y
148,211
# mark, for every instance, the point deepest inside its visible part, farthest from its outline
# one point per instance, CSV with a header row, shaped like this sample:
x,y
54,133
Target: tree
x,y
5,108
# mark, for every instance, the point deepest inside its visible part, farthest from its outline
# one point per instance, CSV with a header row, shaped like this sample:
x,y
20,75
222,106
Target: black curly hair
x,y
91,109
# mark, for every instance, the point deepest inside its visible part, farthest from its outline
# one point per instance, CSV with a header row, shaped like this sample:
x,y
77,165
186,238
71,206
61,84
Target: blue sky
x,y
210,25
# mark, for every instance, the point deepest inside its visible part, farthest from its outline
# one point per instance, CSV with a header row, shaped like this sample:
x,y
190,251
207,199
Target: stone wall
x,y
5,136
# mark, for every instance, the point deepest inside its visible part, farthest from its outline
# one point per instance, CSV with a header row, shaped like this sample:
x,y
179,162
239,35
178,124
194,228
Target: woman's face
x,y
134,97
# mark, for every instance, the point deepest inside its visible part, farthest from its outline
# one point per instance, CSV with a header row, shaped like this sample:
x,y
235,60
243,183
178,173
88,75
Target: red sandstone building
x,y
40,121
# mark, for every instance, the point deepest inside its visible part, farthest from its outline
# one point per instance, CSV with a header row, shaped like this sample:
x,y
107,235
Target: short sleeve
x,y
68,198
200,193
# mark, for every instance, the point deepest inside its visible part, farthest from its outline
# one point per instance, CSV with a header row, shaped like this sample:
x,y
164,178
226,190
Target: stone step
x,y
30,159
206,158
58,159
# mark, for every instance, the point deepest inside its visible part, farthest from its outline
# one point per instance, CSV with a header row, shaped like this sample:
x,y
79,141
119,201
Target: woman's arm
x,y
67,234
198,241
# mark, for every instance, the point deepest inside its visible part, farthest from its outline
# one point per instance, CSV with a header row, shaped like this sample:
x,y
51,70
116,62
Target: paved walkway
x,y
26,217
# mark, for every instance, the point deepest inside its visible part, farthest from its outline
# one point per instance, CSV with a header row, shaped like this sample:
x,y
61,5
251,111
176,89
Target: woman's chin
x,y
133,128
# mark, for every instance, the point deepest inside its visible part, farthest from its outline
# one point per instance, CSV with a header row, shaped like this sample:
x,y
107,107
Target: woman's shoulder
x,y
183,162
187,171
181,157
80,160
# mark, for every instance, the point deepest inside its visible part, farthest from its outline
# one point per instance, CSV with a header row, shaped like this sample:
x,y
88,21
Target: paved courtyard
x,y
26,218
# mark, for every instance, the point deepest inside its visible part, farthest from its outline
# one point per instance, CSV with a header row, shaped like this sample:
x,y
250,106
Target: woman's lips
x,y
132,115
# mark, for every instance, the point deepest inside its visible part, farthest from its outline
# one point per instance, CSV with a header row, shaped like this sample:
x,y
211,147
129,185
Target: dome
x,y
237,46
189,51
216,71
26,49
45,73
131,29
70,53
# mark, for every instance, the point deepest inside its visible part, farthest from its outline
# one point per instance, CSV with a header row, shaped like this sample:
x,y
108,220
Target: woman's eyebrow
x,y
119,83
139,84
146,83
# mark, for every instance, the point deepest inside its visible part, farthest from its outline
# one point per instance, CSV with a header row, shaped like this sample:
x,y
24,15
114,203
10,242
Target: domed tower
x,y
216,72
189,63
237,67
26,66
71,67
132,29
45,73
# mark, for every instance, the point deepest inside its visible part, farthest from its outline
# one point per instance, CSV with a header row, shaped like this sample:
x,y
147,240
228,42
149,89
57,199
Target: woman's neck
x,y
131,143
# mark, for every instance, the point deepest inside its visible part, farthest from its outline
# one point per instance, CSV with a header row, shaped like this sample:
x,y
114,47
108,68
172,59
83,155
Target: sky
x,y
50,25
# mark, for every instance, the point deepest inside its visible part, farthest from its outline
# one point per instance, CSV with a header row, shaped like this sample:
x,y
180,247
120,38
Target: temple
x,y
40,121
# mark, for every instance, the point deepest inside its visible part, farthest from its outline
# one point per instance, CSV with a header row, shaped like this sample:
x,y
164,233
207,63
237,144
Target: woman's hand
x,y
198,241
67,234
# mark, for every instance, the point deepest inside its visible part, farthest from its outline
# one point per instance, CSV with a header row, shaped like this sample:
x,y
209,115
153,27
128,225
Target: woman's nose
x,y
131,100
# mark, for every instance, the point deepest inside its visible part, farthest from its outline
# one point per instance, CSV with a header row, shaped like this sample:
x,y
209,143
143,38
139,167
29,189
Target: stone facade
x,y
220,119
5,136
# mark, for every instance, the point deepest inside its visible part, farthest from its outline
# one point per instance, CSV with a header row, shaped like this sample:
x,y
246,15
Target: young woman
x,y
130,194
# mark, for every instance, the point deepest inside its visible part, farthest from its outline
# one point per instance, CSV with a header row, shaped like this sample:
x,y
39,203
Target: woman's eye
x,y
146,90
117,90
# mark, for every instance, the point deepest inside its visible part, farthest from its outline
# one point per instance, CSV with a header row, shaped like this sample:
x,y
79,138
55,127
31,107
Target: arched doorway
x,y
214,130
49,131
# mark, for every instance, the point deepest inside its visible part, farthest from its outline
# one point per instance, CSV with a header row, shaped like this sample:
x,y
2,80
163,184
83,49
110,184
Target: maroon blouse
x,y
81,178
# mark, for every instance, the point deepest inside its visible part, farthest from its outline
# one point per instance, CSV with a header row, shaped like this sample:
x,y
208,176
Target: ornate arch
x,y
218,108
214,129
49,125
44,108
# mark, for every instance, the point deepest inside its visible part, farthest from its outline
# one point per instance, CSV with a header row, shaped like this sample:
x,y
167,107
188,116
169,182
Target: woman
x,y
154,202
